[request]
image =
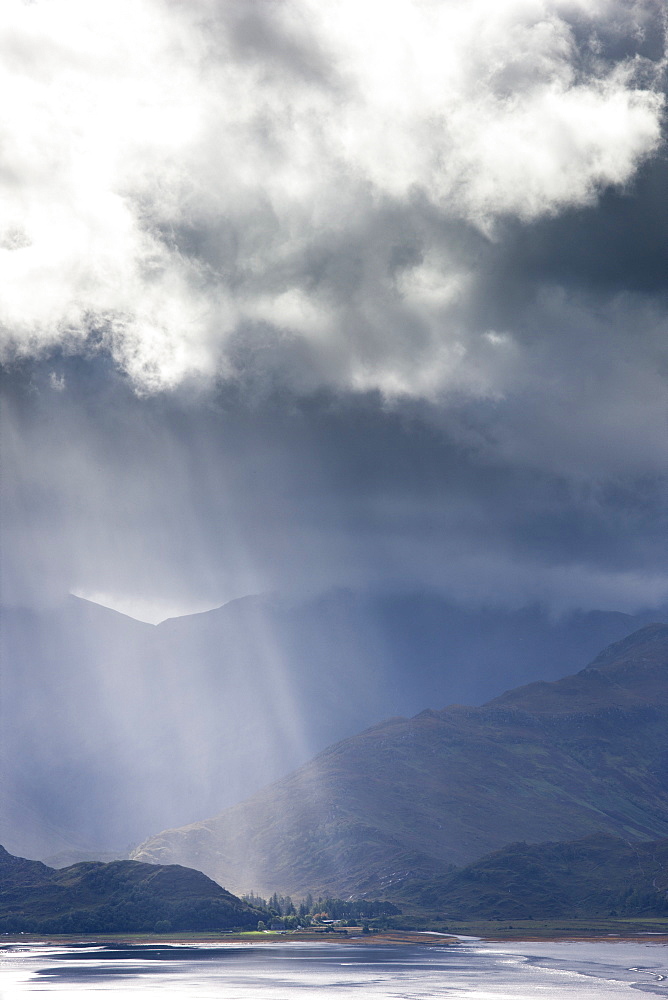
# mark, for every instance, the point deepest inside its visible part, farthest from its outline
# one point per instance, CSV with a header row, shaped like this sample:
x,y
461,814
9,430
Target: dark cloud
x,y
193,500
275,39
620,245
327,303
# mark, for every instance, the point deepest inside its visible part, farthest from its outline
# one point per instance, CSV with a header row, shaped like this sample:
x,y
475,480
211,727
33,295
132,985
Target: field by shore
x,y
650,929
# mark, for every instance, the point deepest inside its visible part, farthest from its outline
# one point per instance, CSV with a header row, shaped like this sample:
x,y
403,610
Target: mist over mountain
x,y
397,804
364,308
113,728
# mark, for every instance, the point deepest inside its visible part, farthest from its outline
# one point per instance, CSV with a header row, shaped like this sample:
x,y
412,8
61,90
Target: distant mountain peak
x,y
631,672
645,648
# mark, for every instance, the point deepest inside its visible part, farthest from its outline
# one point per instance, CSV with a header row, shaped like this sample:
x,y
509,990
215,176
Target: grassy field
x,y
404,930
523,930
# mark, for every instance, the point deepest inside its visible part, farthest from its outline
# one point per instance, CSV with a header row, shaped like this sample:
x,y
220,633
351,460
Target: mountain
x,y
119,896
112,728
72,857
593,877
405,799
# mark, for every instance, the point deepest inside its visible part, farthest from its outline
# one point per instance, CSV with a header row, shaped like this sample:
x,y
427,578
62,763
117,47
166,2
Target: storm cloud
x,y
298,296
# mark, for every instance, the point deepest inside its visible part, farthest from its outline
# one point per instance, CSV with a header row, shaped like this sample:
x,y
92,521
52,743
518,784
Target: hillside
x,y
407,798
143,727
119,896
597,876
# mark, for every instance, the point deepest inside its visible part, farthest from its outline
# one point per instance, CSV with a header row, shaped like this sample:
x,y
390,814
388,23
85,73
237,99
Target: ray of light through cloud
x,y
300,298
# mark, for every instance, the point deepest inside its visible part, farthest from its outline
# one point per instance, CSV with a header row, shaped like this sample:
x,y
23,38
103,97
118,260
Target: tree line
x,y
311,910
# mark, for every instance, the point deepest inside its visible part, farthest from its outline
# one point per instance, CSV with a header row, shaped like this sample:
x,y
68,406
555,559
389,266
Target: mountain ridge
x,y
408,797
157,724
604,681
597,876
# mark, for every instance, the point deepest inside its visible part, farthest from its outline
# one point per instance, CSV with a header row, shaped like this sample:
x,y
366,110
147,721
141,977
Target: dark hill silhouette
x,y
118,896
598,876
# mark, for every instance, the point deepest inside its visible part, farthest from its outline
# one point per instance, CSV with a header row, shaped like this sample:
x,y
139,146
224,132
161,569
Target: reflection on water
x,y
471,970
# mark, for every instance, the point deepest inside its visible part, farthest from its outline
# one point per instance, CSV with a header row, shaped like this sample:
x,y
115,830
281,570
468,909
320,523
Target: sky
x,y
298,296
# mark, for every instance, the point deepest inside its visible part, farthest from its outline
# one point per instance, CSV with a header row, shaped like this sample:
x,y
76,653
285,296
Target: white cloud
x,y
170,171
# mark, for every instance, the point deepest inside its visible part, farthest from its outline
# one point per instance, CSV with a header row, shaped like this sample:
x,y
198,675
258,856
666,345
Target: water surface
x,y
470,970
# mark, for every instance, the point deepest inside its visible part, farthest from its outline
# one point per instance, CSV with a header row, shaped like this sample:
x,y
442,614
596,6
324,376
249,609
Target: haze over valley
x,y
333,378
405,799
160,726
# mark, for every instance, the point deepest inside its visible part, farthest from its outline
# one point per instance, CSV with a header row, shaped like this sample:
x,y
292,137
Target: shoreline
x,y
274,938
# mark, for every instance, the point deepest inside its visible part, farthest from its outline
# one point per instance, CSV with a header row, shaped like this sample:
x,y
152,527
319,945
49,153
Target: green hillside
x,y
404,800
118,896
